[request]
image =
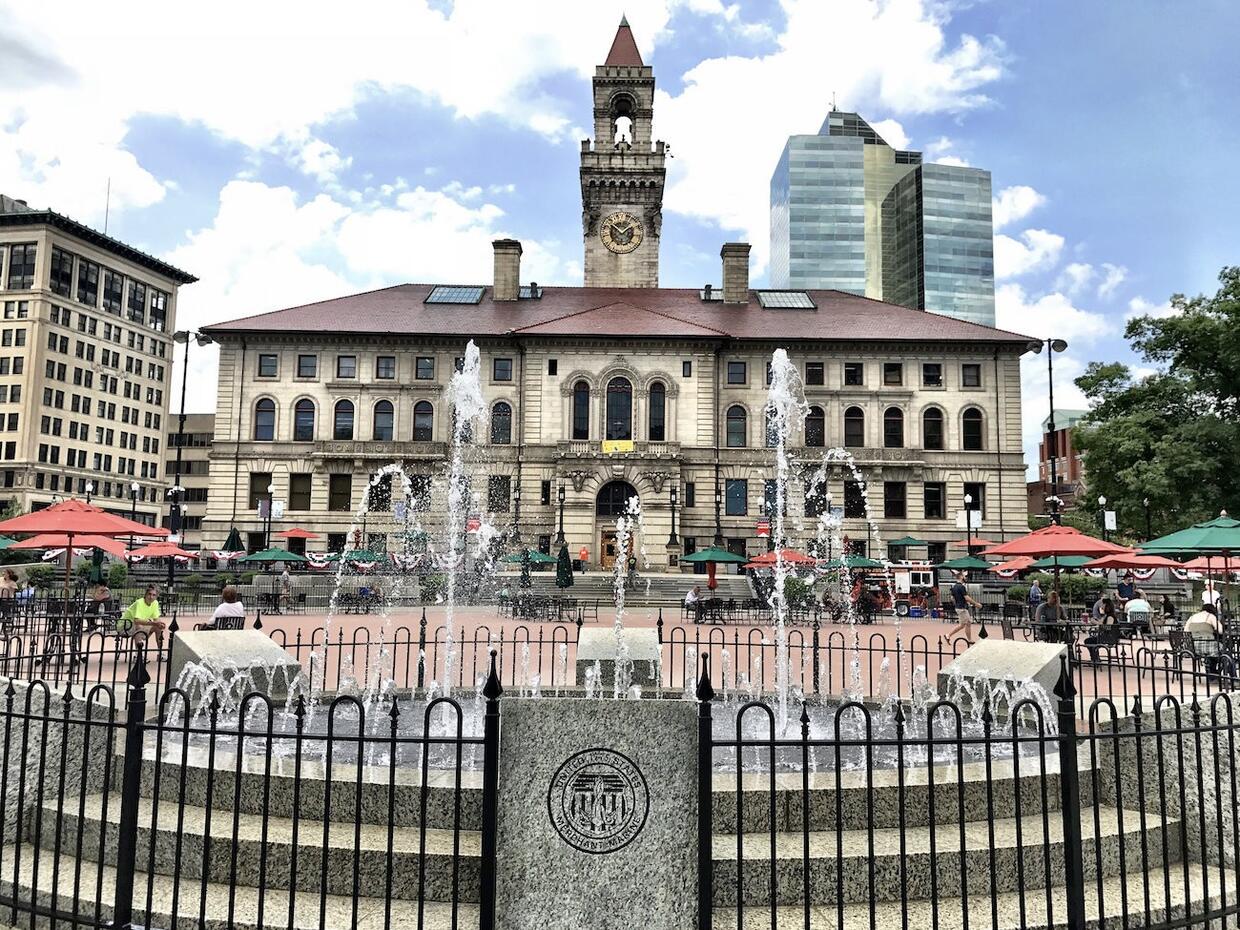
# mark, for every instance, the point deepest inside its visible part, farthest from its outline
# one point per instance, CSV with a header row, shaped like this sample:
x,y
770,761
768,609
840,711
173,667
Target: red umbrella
x,y
790,557
61,541
163,550
1205,564
1133,560
297,533
975,543
1018,564
1053,540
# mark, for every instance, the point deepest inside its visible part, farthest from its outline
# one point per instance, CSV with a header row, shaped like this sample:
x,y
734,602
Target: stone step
x,y
233,905
999,855
1112,904
354,853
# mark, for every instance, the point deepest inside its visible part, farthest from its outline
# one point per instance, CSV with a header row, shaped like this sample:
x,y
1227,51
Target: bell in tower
x,y
622,173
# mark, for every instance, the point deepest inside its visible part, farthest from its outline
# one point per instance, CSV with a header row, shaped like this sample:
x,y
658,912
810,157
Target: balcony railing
x,y
593,448
369,449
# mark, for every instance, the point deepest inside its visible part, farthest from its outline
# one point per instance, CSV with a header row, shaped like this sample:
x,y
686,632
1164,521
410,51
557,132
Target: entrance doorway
x,y
609,549
612,502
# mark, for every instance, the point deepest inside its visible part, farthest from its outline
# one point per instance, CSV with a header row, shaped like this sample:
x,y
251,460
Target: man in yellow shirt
x,y
142,616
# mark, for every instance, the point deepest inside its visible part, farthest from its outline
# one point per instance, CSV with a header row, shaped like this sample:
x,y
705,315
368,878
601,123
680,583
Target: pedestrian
x,y
143,616
286,588
1209,594
8,592
962,601
1035,597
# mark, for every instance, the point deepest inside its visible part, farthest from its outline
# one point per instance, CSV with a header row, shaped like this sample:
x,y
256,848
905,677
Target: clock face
x,y
621,232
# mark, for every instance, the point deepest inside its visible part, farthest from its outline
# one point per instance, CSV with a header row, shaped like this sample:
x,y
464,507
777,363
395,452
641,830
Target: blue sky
x,y
286,158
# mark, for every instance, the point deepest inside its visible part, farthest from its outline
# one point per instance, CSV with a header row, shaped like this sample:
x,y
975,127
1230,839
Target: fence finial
x,y
492,689
705,690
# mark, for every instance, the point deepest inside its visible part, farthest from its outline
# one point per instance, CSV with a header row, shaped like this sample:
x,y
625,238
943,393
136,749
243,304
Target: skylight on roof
x,y
711,293
529,292
785,300
454,294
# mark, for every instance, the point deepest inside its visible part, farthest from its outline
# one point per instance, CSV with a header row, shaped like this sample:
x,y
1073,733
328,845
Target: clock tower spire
x,y
622,173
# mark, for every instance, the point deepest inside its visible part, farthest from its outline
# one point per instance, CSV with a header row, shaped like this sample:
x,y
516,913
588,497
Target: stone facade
x,y
195,476
86,364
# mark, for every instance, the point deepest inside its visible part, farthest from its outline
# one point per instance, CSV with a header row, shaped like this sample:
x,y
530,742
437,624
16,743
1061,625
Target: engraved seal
x,y
598,801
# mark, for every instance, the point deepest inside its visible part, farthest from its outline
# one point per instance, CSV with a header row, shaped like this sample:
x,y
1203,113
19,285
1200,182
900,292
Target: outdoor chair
x,y
1005,622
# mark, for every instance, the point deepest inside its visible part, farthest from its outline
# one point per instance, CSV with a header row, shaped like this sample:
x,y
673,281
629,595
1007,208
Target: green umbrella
x,y
964,563
564,569
366,555
535,557
273,555
715,555
853,561
907,541
233,542
1220,536
1062,561
5,542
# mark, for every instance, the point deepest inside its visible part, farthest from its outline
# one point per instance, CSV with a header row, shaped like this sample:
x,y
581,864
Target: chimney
x,y
735,272
507,282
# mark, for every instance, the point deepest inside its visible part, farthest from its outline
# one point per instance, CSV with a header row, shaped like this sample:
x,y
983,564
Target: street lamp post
x,y
672,538
1145,502
271,497
1053,346
968,523
133,507
718,524
559,537
177,493
1102,514
830,518
516,514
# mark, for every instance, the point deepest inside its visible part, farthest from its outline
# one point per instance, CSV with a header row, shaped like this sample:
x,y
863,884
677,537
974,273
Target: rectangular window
x,y
553,366
61,281
932,374
299,491
854,500
976,492
88,283
502,369
259,482
815,374
340,492
21,266
268,365
137,302
544,493
686,369
307,366
815,499
690,494
159,310
769,374
385,367
736,372
424,370
971,375
736,497
895,501
113,292
346,366
934,500
893,374
499,493
936,552
854,374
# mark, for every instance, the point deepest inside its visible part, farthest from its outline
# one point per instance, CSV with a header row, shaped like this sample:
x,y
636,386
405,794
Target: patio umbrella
x,y
563,569
1056,540
535,557
909,541
790,557
1062,561
163,550
5,542
1204,564
1011,566
964,563
62,541
365,555
233,542
1133,560
297,533
712,557
272,555
975,543
75,518
852,561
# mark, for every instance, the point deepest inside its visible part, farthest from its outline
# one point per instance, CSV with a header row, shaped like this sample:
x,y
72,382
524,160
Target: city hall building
x,y
617,389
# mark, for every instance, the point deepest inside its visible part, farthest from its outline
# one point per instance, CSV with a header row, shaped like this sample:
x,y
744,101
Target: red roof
x,y
623,48
657,313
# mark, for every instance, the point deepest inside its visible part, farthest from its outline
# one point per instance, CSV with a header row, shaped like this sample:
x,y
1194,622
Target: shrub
x,y
82,568
1018,592
1073,588
42,577
796,592
431,587
118,574
193,581
248,577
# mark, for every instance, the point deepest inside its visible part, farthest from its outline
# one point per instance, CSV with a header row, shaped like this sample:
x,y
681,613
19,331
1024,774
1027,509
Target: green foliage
x,y
797,592
42,577
431,587
1169,437
193,581
1074,588
118,574
82,568
1017,592
248,577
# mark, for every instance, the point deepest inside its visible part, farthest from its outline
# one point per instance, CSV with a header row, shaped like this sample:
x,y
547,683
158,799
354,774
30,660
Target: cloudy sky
x,y
286,152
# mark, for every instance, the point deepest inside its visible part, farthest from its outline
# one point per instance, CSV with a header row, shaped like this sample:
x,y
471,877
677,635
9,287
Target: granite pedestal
x,y
994,660
599,644
597,815
236,652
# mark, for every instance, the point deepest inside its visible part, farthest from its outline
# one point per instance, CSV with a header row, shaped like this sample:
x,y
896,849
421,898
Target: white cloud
x,y
321,160
1051,315
1139,306
1037,250
1112,277
1075,277
892,132
942,152
1013,204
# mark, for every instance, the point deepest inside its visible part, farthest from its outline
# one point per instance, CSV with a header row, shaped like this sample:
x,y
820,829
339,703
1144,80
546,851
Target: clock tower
x,y
622,173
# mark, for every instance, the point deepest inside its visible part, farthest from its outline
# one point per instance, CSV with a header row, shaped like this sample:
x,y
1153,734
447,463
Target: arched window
x,y
770,428
737,427
815,428
932,429
423,421
466,429
303,420
854,427
619,409
265,420
971,434
501,424
658,412
893,428
613,499
342,427
384,421
581,410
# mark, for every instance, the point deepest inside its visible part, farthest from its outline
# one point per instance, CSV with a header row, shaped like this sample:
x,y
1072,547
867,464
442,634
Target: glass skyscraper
x,y
849,212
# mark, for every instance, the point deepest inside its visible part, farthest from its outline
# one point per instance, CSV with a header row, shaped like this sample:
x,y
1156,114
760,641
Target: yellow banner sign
x,y
614,446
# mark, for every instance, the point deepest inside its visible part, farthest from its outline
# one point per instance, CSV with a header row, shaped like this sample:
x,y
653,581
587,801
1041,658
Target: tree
x,y
563,569
1169,436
